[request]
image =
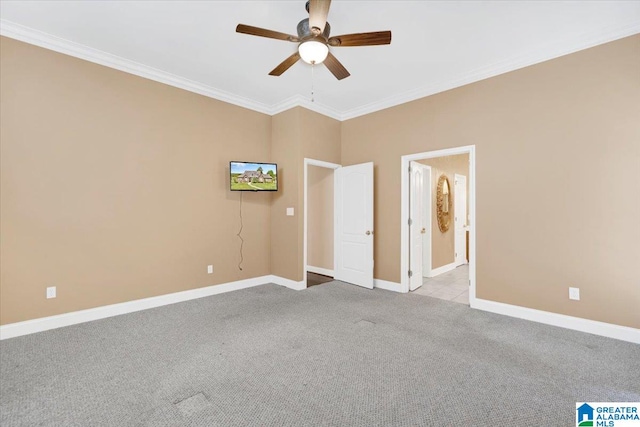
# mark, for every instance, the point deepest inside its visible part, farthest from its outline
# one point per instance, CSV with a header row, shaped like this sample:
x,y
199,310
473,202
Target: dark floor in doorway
x,y
317,279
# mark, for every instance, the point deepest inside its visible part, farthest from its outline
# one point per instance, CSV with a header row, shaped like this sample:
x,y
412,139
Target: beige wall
x,y
296,134
443,244
286,251
320,141
320,217
114,187
558,178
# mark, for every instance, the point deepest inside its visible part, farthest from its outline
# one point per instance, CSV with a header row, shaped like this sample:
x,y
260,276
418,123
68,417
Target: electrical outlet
x,y
51,292
574,294
289,211
209,269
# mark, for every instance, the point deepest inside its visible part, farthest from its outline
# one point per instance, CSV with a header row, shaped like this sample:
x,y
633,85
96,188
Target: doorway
x,y
437,261
352,226
319,222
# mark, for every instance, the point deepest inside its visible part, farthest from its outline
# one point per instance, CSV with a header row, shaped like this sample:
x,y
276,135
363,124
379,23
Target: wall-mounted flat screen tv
x,y
248,176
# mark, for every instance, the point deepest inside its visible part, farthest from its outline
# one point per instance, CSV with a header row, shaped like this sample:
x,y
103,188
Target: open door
x,y
353,204
460,221
426,220
417,228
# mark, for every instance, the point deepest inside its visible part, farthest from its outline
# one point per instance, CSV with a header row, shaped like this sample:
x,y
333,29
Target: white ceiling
x,y
436,45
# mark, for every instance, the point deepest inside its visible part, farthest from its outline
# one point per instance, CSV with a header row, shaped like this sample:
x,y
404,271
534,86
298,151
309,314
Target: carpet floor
x,y
332,355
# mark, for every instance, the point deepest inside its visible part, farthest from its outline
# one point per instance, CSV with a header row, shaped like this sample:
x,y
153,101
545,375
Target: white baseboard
x,y
67,319
441,270
291,284
320,270
46,323
609,330
387,286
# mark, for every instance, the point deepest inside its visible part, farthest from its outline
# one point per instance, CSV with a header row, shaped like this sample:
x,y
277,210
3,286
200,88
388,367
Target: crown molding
x,y
543,54
301,101
320,108
67,47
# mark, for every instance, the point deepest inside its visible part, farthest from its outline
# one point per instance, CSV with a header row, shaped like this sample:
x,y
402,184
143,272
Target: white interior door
x,y
416,227
426,221
353,243
460,218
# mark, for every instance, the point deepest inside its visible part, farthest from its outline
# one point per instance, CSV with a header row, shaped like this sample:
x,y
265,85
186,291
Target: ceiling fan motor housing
x,y
304,32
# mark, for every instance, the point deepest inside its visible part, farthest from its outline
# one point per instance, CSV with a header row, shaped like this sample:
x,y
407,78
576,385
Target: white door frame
x,y
404,213
322,164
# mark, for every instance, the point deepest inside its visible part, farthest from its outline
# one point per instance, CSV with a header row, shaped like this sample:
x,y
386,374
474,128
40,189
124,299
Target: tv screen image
x,y
248,176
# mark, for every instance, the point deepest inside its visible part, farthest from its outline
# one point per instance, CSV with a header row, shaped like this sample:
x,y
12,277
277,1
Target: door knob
x,y
368,233
424,230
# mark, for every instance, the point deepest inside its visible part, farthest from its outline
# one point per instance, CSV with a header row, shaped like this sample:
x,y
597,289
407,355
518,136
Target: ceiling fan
x,y
314,40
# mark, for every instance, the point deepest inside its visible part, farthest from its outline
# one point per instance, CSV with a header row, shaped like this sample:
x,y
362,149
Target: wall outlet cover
x,y
574,294
209,269
51,292
289,211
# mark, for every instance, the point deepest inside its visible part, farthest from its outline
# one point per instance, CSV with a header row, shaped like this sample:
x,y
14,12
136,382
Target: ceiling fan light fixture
x,y
314,40
313,52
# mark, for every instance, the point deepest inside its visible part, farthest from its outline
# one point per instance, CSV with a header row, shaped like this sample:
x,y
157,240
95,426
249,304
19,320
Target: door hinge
x,y
410,273
410,222
409,169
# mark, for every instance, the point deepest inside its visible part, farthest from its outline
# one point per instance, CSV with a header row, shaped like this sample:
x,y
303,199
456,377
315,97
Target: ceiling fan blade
x,y
261,32
336,68
285,65
318,11
361,39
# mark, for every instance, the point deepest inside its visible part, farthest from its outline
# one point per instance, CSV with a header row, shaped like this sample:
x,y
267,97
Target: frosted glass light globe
x,y
313,52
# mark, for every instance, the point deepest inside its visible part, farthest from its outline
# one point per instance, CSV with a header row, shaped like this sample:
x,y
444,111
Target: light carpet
x,y
332,355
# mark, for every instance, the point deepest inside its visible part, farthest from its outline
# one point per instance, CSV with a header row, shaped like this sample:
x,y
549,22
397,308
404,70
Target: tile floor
x,y
452,286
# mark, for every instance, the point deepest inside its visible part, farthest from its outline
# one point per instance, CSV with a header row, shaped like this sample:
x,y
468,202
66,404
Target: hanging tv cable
x,y
240,236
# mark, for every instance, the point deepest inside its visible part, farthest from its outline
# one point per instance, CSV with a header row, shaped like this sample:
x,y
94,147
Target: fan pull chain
x,y
312,74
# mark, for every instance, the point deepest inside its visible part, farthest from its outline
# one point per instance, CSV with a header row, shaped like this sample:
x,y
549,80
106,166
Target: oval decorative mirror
x,y
443,203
